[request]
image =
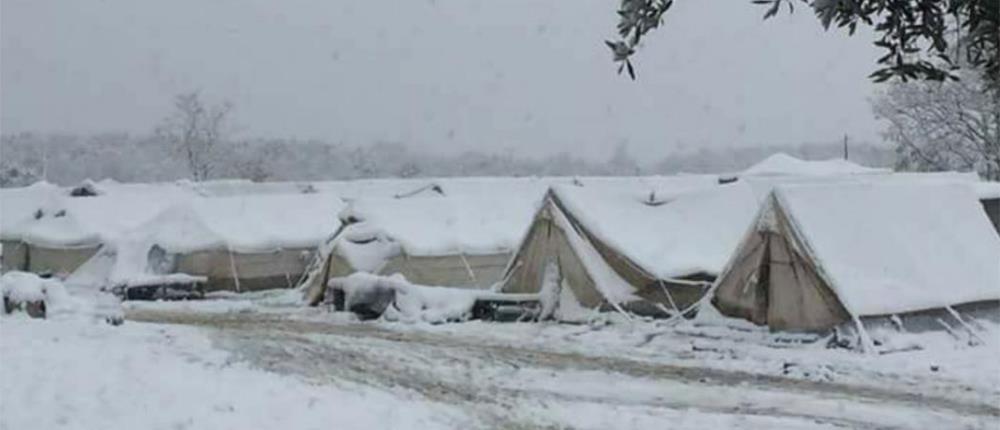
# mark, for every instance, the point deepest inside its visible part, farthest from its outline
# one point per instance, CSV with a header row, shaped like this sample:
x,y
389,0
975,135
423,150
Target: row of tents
x,y
790,244
239,243
789,253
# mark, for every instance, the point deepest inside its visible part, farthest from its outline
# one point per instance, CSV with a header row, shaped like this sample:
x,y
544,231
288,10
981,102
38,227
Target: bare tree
x,y
943,125
196,132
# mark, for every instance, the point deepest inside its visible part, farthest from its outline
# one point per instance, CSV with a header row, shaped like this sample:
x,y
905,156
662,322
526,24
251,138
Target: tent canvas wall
x,y
821,255
47,239
553,240
618,247
58,233
246,271
444,236
480,271
239,243
13,256
42,258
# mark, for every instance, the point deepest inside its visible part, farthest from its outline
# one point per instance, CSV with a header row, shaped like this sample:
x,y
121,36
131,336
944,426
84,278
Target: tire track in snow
x,y
427,364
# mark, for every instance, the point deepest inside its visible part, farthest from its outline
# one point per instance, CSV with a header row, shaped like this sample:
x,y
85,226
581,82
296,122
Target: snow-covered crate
x,y
24,292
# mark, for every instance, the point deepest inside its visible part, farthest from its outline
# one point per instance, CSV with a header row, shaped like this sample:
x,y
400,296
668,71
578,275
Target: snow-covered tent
x,y
650,250
49,245
782,169
58,233
239,243
819,255
782,164
432,235
18,205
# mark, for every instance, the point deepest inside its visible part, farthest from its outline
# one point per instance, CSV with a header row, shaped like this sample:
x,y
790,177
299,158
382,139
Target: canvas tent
x,y
820,255
46,228
628,246
239,243
430,235
59,233
17,206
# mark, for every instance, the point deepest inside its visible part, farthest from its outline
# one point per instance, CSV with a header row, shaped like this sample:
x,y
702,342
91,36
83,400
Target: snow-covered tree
x,y
196,131
950,125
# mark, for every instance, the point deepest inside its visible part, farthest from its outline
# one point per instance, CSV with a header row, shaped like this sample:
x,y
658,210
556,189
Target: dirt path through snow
x,y
513,387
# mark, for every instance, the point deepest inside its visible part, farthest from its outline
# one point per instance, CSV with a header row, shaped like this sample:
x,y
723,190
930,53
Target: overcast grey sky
x,y
531,76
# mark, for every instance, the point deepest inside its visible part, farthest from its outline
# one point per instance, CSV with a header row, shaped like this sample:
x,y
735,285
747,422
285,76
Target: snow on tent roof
x,y
180,228
65,221
245,223
693,232
18,205
784,164
172,191
390,188
659,188
987,190
895,247
243,187
463,186
762,185
490,220
473,215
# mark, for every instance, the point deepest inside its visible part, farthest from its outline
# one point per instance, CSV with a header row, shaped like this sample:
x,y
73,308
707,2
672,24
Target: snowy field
x,y
256,361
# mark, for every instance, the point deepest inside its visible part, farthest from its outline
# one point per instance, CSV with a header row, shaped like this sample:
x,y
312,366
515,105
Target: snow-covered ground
x,y
74,375
256,361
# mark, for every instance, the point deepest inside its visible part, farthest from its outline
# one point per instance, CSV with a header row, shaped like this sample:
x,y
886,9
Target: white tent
x,y
246,242
57,233
650,247
432,235
819,255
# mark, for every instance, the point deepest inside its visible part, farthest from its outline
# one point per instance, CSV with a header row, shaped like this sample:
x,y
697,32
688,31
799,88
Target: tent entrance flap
x,y
546,241
773,281
739,292
797,298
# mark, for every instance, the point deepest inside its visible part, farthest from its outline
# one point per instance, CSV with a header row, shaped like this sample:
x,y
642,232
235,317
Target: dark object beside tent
x,y
367,304
171,290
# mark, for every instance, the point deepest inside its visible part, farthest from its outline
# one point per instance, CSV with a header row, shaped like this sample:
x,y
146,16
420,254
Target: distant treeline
x,y
69,159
